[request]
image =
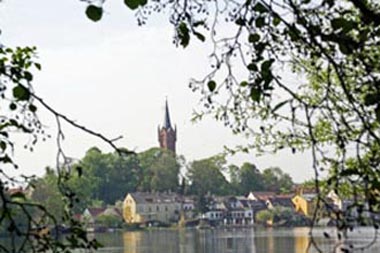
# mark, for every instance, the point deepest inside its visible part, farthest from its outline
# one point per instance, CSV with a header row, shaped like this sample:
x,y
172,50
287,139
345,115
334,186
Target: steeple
x,y
167,123
167,135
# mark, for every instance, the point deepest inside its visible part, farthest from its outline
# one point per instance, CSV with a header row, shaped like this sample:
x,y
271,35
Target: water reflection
x,y
272,240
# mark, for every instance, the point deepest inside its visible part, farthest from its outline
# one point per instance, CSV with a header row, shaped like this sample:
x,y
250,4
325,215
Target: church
x,y
167,135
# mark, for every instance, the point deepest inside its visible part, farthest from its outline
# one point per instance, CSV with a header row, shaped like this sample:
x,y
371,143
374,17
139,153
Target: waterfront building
x,y
143,207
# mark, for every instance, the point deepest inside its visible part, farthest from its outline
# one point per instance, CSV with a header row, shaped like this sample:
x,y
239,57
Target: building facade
x,y
142,207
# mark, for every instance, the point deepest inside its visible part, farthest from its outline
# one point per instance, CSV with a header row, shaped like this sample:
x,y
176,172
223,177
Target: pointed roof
x,y
167,123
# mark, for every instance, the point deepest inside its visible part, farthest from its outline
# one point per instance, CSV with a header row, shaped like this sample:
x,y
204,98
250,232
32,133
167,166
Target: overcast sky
x,y
113,77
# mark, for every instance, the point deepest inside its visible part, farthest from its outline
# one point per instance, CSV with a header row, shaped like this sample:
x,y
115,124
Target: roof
x,y
96,211
167,124
282,201
263,195
154,197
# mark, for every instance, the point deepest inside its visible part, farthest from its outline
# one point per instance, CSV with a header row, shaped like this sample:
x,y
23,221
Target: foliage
x,y
46,193
106,177
110,221
264,216
276,180
248,178
206,176
251,179
21,218
282,216
160,170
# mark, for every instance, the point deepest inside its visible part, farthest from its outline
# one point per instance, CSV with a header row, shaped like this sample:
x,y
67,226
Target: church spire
x,y
167,123
167,135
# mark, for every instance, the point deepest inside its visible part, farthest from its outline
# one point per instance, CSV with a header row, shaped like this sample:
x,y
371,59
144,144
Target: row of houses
x,y
167,208
142,207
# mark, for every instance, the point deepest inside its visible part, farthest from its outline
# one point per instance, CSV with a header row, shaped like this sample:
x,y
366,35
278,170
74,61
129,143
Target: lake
x,y
252,240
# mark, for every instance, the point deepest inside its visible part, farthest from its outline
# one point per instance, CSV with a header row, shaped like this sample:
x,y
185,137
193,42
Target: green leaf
x,y
5,159
133,4
294,33
259,7
3,145
21,93
37,65
252,67
13,106
94,12
343,48
370,99
240,21
266,72
244,84
200,36
260,22
28,76
32,108
211,85
342,23
198,23
337,23
252,38
183,34
255,94
276,20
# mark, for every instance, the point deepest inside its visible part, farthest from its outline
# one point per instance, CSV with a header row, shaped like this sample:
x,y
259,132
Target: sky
x,y
113,77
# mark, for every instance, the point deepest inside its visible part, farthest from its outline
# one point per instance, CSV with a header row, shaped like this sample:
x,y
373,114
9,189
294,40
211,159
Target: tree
x,y
251,179
160,170
234,176
106,177
274,179
19,105
46,193
206,176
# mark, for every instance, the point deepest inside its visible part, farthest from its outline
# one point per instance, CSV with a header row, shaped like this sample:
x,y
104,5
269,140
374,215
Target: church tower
x,y
167,135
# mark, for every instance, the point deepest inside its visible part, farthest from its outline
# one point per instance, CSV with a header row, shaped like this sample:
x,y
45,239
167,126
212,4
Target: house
x,y
90,214
188,207
216,210
239,211
284,200
304,203
141,207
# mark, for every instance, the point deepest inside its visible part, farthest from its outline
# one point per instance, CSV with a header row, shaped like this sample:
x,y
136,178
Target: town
x,y
148,190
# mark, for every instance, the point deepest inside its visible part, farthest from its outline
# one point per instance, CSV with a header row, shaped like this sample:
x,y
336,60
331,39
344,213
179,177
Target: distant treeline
x,y
104,178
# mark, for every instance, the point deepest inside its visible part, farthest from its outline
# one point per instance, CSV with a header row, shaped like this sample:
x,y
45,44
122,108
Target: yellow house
x,y
140,207
304,203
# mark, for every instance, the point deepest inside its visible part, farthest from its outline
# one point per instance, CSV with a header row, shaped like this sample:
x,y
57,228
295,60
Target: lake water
x,y
252,240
